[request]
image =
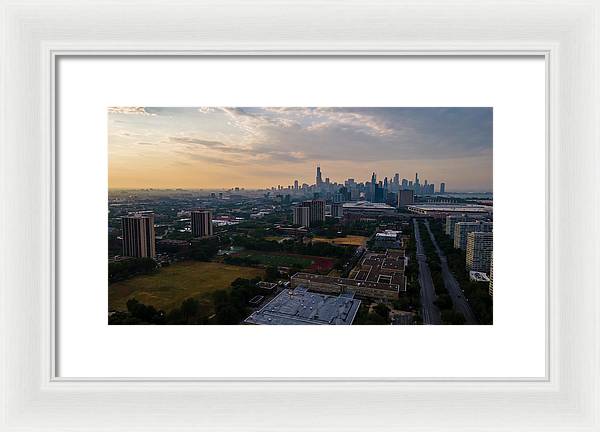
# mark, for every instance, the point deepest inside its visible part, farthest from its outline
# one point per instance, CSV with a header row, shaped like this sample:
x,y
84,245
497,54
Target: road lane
x,y
458,298
431,314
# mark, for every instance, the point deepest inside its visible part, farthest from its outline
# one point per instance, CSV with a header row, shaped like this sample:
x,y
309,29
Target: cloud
x,y
260,139
362,133
196,141
130,110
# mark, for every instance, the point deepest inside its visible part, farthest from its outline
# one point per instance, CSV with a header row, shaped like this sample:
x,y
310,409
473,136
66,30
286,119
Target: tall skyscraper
x,y
479,251
202,223
319,179
295,184
442,188
405,197
301,216
138,236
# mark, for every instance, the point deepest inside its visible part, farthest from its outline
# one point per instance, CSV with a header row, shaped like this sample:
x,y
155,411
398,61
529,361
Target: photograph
x,y
300,215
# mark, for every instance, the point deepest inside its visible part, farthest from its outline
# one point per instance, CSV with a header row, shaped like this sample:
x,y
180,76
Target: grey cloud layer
x,y
352,134
369,134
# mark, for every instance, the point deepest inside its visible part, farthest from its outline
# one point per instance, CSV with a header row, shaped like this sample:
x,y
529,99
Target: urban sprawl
x,y
388,251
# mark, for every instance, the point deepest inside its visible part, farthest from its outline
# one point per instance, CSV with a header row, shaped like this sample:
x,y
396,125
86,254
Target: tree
x,y
228,314
272,273
382,310
190,308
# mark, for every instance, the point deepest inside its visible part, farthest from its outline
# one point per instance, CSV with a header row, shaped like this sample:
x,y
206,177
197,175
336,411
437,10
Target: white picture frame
x,y
35,34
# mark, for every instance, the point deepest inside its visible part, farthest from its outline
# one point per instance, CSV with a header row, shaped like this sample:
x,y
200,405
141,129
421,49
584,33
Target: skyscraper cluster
x,y
373,190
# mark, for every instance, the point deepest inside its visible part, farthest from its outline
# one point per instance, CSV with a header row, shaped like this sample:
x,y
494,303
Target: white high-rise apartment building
x,y
479,251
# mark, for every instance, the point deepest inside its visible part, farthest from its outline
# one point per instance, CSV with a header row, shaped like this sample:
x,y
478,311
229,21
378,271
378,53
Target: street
x,y
458,298
431,314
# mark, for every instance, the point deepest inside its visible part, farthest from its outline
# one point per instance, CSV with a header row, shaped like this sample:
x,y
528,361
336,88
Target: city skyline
x,y
260,148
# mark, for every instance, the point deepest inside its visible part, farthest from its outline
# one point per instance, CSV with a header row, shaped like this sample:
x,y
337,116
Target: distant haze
x,y
211,148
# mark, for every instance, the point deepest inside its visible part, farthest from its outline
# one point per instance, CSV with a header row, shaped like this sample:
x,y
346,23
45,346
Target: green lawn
x,y
272,259
173,284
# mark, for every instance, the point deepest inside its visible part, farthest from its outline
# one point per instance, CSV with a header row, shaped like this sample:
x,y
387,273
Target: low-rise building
x,y
360,288
367,209
445,209
476,276
302,307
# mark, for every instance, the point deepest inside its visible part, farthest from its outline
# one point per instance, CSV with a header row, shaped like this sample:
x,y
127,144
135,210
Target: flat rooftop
x,y
367,205
449,208
478,276
346,281
381,267
301,307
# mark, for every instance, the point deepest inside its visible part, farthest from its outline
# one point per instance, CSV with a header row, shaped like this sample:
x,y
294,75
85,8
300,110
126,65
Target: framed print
x,y
275,216
393,276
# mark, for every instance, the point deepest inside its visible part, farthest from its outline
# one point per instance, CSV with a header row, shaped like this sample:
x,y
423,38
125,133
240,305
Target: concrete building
x,y
301,307
337,210
479,251
476,276
333,285
453,219
367,209
405,197
301,216
444,209
462,229
316,210
491,288
202,225
138,236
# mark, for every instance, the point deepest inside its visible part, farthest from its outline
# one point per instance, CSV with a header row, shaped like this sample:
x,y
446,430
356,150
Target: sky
x,y
218,148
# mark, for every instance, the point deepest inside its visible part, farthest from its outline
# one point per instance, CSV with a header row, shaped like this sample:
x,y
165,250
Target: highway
x,y
458,298
431,314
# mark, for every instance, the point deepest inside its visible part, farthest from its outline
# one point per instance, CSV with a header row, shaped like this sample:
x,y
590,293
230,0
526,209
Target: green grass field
x,y
271,259
171,285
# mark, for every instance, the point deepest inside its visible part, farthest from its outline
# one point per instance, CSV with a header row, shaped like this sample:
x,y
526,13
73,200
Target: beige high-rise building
x,y
462,229
491,289
302,216
202,223
452,220
479,251
138,236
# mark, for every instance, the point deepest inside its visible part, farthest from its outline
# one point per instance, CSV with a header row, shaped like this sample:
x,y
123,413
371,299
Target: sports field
x,y
350,240
289,260
177,282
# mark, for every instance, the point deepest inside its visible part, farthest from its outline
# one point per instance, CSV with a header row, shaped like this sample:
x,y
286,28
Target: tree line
x,y
443,299
477,292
